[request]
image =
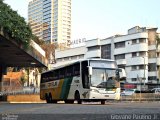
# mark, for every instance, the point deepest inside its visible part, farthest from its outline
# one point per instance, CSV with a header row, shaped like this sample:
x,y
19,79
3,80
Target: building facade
x,y
136,52
50,20
35,17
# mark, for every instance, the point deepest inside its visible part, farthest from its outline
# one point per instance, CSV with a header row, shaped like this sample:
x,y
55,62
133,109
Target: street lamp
x,y
144,71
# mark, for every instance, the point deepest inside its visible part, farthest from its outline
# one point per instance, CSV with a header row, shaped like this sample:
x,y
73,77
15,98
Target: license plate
x,y
106,95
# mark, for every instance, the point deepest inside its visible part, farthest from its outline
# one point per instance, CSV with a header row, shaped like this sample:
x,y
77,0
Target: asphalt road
x,y
85,111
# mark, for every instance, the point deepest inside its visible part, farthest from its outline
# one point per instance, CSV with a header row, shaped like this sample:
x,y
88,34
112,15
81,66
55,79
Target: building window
x,y
59,60
152,78
134,79
134,67
66,58
134,54
142,40
152,54
93,48
141,67
106,51
142,54
152,67
121,56
119,44
81,56
73,57
134,41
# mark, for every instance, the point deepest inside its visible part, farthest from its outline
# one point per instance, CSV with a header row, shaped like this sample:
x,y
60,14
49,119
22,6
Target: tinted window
x,y
62,73
85,77
76,69
69,71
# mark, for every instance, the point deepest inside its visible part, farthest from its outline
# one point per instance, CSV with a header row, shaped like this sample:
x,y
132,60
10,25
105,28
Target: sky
x,y
104,18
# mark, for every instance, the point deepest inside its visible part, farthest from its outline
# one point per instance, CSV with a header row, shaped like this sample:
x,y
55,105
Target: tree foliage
x,y
14,25
47,47
24,77
37,40
158,40
50,50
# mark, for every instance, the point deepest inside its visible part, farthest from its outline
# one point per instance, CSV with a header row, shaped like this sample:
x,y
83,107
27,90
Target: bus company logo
x,y
76,81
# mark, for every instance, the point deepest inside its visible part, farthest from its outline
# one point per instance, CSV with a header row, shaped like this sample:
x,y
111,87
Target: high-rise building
x,y
50,20
35,17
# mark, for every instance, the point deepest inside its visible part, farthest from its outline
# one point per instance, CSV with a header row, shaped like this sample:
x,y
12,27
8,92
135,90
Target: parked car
x,y
156,90
128,92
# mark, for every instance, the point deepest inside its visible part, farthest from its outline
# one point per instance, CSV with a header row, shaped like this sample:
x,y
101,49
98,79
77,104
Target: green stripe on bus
x,y
66,87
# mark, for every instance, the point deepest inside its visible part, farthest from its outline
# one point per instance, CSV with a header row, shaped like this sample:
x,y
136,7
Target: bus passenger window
x,y
69,71
61,73
85,78
56,74
77,69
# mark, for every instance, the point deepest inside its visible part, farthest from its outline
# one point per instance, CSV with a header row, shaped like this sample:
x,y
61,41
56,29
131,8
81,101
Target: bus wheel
x,y
47,98
102,102
51,100
77,97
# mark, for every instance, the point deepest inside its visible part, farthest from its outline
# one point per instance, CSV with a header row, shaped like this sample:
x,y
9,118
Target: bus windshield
x,y
103,78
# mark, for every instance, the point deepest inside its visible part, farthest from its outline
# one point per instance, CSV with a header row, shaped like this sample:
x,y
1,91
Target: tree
x,y
36,76
37,40
50,51
24,77
157,41
157,45
47,47
14,25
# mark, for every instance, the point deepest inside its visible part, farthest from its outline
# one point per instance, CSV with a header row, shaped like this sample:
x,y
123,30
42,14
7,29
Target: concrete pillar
x,y
1,77
3,70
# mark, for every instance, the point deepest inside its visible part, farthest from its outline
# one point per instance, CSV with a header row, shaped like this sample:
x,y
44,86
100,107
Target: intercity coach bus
x,y
83,80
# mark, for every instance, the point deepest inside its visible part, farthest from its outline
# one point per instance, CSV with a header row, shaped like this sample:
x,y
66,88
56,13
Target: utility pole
x,y
144,72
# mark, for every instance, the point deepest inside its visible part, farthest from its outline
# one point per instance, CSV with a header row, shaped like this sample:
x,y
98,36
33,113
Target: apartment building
x,y
50,20
136,52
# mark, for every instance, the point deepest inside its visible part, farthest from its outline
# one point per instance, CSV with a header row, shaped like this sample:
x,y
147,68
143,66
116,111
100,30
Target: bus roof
x,y
77,61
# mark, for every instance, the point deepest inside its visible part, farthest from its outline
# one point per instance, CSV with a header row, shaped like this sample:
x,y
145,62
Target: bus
x,y
83,80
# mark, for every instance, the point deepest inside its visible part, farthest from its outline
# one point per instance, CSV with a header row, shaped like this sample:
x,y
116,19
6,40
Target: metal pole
x,y
140,88
144,72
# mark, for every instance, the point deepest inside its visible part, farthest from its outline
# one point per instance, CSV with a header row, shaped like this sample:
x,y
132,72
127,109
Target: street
x,y
78,112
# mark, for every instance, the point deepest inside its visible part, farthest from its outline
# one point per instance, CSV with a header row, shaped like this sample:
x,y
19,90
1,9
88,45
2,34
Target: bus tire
x,y
77,97
47,98
103,102
51,100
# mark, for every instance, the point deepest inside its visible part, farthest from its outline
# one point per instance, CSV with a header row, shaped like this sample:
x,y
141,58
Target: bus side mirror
x,y
90,70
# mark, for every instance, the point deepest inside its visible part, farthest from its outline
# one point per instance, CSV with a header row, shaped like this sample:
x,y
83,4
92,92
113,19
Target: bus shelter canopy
x,y
12,55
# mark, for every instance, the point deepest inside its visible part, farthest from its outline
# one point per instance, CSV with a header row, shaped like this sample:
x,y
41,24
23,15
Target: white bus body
x,y
84,80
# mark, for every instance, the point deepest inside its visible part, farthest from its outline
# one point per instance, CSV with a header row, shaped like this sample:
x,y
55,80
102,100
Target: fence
x,y
141,97
20,92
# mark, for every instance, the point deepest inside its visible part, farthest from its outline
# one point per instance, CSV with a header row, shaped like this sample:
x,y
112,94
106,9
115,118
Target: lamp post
x,y
144,72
